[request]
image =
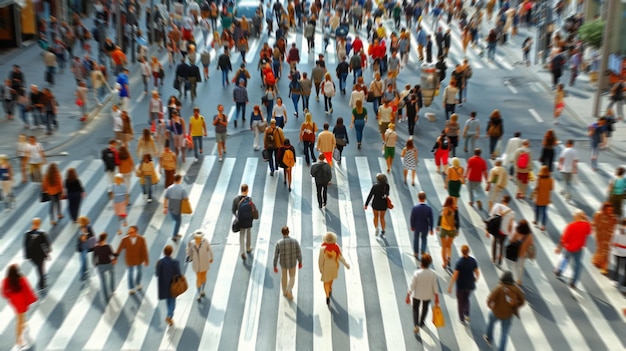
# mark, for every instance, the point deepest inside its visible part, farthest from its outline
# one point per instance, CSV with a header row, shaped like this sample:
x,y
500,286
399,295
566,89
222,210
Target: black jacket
x,y
321,172
36,245
182,70
223,62
343,67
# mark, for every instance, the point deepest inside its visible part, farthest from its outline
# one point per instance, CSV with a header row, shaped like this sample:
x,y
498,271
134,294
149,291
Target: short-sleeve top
x,y
466,279
359,116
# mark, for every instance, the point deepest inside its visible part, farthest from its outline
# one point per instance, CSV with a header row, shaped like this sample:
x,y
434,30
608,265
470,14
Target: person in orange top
x,y
53,186
119,59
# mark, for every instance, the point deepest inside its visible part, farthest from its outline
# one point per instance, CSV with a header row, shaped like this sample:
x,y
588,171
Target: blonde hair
x,y
308,118
327,76
83,221
330,238
456,162
454,117
4,158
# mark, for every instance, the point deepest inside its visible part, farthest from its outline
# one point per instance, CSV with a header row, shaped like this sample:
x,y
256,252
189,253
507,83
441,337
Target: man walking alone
x,y
243,207
136,254
421,224
322,174
289,252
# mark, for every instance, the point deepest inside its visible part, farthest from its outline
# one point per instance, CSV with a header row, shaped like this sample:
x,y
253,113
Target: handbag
x,y
265,154
370,96
176,83
438,320
512,250
337,155
261,126
235,226
185,206
341,141
178,286
45,197
389,203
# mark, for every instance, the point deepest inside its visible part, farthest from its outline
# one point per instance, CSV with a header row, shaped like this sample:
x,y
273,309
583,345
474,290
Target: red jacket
x,y
357,45
575,236
20,300
377,51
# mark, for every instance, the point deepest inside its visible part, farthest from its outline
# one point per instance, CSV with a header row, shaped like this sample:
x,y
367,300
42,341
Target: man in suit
x,y
421,224
37,249
182,75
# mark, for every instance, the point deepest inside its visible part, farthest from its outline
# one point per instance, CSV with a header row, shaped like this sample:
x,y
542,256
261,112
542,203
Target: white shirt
x,y
511,147
34,153
424,284
118,124
356,95
619,239
569,155
146,70
507,219
279,111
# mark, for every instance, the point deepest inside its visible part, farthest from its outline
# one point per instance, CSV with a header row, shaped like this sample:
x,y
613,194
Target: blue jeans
x,y
23,114
305,102
224,78
269,107
171,305
102,270
491,51
576,265
131,270
272,160
147,186
376,104
595,150
295,98
177,218
342,81
417,236
197,145
280,122
473,187
359,125
356,73
240,107
83,264
506,325
541,214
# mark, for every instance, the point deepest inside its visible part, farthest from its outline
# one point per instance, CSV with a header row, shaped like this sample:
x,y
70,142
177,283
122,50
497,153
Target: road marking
x,y
510,87
535,115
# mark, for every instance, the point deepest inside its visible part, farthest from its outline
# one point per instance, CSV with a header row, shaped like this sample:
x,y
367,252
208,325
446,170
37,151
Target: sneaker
x,y
487,340
479,204
557,273
202,293
195,160
331,110
139,287
220,159
131,292
243,257
149,200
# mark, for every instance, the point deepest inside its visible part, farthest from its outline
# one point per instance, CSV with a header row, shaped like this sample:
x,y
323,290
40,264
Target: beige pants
x,y
287,279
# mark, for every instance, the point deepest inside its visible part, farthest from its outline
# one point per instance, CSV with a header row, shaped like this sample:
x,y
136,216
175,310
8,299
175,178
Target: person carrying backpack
x,y
495,130
272,141
327,86
110,157
287,159
500,226
523,166
504,301
441,150
245,212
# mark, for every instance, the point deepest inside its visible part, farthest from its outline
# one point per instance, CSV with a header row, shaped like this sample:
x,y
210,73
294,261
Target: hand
x,y
165,210
365,207
408,299
557,250
431,232
486,234
275,270
146,264
347,266
449,290
300,265
436,299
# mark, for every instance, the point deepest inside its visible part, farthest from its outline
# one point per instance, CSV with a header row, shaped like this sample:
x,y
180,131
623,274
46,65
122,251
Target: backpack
x,y
289,159
241,75
244,212
495,130
493,222
523,160
329,88
308,135
270,79
108,156
269,139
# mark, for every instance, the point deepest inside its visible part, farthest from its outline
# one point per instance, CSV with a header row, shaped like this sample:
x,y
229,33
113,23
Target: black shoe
x,y
557,273
235,123
328,300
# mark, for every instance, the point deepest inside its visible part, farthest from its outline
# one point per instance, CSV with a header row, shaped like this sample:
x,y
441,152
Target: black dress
x,y
378,196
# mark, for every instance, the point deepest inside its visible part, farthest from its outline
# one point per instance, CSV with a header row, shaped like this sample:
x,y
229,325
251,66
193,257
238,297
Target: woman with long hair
x,y
50,105
604,222
256,120
86,242
448,229
341,136
173,105
328,262
378,196
455,178
147,176
177,128
359,118
75,192
308,131
409,160
127,128
547,149
53,185
126,166
525,236
541,196
17,290
104,258
146,144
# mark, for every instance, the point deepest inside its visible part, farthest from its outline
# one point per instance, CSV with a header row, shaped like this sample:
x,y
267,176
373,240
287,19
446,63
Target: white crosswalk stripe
x,y
73,314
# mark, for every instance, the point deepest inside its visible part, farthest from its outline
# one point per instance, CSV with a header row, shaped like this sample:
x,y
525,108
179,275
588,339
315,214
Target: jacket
x,y
126,166
20,300
36,245
326,141
543,191
166,269
137,253
575,235
328,263
505,300
55,189
145,169
422,218
321,172
199,255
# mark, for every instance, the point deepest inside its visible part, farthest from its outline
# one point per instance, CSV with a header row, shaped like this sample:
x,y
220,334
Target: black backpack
x,y
244,212
493,223
445,143
108,156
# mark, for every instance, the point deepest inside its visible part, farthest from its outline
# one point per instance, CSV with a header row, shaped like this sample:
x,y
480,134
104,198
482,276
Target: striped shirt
x,y
288,249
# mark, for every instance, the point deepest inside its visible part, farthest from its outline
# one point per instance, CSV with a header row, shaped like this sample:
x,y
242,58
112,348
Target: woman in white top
x,y
357,94
279,113
496,183
156,107
200,254
422,289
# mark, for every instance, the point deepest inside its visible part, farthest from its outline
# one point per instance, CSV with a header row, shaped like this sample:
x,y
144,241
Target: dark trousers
x,y
463,303
450,108
73,204
309,154
418,320
556,76
322,194
547,158
498,240
620,267
493,141
411,120
272,161
42,273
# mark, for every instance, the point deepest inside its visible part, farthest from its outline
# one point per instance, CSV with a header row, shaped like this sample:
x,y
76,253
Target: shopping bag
x,y
438,320
266,154
337,155
185,207
178,286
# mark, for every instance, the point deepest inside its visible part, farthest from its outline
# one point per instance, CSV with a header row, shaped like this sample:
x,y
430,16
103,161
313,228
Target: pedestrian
x,y
452,131
118,193
568,166
220,121
541,196
559,102
110,158
504,301
74,191
85,244
243,208
455,177
359,118
167,268
321,172
524,236
37,249
128,133
22,151
328,262
36,107
52,186
240,97
205,59
476,172
200,254
306,86
167,164
35,158
172,199
512,145
288,251
413,104
6,180
385,116
465,275
556,67
390,138
571,244
326,143
375,91
422,289
287,160
379,194
146,144
177,133
616,191
156,69
224,64
619,252
597,135
617,97
526,47
441,149
308,130
409,160
193,78
449,98
197,130
523,167
147,176
136,254
257,122
124,89
471,131
604,223
507,219
49,103
295,90
8,94
279,113
23,104
50,60
548,144
495,130
422,223
327,86
17,290
272,141
155,108
127,165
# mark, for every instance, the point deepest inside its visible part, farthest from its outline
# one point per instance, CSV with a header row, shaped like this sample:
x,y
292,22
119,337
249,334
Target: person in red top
x,y
572,242
293,57
376,52
476,172
17,290
357,44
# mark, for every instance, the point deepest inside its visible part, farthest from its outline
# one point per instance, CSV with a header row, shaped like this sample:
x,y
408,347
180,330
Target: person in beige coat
x,y
147,176
541,196
326,143
200,254
330,256
496,182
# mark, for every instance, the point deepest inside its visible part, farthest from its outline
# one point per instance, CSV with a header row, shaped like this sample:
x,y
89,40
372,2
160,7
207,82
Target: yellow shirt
x,y
196,125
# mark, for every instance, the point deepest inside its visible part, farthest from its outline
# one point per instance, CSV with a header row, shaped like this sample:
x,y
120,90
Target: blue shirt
x,y
122,80
421,218
466,279
421,37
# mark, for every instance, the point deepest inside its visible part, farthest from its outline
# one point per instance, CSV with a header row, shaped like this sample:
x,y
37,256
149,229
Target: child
x,y
619,251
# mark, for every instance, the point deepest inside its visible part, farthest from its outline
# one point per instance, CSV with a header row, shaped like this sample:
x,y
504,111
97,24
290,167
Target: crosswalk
x,y
244,308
